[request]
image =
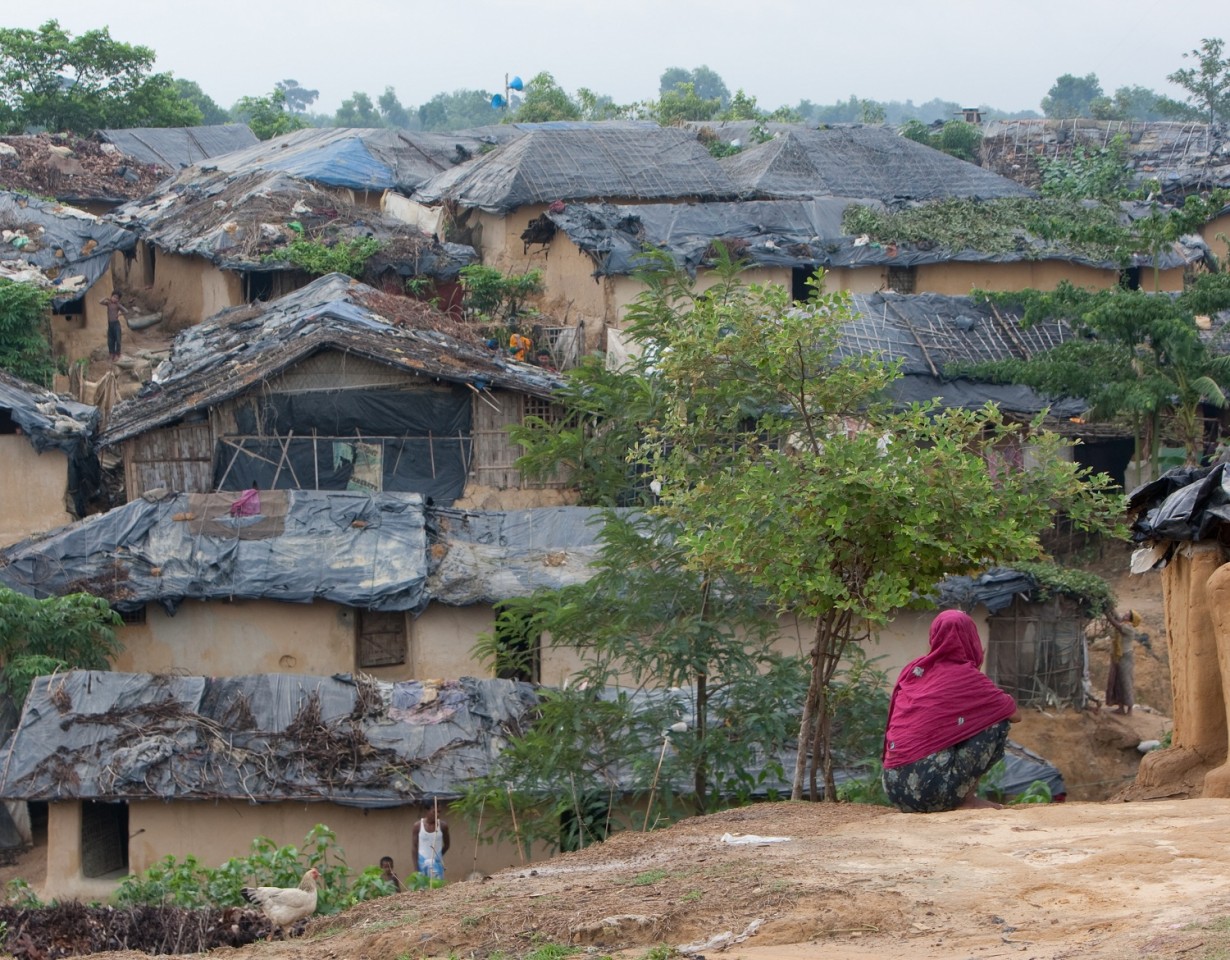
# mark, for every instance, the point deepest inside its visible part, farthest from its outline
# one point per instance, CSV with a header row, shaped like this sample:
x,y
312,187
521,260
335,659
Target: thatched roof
x,y
242,346
1182,157
859,161
355,741
73,170
584,162
48,420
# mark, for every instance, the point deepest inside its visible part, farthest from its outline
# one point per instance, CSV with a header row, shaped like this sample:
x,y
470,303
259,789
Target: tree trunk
x,y
809,711
700,777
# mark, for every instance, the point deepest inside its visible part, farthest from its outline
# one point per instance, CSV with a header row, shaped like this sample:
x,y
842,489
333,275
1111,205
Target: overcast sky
x,y
1006,55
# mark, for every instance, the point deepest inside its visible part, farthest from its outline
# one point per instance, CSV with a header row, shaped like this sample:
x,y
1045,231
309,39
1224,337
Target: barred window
x,y
381,638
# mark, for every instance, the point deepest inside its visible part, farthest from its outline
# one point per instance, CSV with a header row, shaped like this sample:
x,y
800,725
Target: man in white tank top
x,y
430,841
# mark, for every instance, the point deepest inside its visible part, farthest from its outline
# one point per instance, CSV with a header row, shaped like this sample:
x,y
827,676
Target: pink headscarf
x,y
943,697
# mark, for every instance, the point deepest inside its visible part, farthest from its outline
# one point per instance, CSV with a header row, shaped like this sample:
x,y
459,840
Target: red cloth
x,y
943,697
248,504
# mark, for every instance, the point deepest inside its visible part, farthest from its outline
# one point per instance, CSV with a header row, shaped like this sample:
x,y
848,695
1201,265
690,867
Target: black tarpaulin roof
x,y
68,247
381,551
788,233
360,159
584,162
270,737
860,161
47,419
1183,505
242,346
241,221
174,147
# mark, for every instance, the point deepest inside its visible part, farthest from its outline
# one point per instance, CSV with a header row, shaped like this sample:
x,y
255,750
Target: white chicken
x,y
285,905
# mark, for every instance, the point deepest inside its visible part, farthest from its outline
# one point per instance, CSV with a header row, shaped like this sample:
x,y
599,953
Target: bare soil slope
x,y
1062,881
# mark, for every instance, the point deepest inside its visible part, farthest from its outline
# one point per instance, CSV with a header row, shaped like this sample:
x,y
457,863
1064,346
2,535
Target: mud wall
x,y
33,486
215,832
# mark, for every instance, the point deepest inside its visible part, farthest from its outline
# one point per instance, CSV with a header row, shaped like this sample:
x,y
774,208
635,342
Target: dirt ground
x,y
1074,880
1094,881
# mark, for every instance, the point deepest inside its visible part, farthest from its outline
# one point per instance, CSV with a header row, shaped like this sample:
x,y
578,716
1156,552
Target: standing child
x,y
114,311
430,839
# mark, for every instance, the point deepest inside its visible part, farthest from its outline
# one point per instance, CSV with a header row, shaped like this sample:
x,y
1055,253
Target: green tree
x,y
298,97
1129,103
267,116
741,107
357,110
1138,356
545,100
1208,82
38,637
684,103
25,336
956,137
1071,96
52,80
190,92
779,466
457,110
392,113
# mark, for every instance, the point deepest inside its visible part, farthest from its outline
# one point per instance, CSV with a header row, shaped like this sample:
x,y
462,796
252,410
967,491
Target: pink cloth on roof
x,y
248,504
943,697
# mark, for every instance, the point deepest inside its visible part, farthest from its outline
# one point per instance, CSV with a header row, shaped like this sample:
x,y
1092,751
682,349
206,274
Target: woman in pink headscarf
x,y
947,723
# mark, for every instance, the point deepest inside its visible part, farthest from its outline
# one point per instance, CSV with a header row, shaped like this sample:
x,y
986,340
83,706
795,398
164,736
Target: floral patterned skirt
x,y
943,779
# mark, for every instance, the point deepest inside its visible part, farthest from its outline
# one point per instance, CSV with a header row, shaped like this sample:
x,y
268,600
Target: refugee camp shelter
x,y
210,239
1179,523
84,173
47,463
170,149
68,252
335,386
292,581
136,767
1170,160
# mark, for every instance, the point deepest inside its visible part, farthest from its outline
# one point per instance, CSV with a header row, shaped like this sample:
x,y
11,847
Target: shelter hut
x,y
1170,159
112,168
335,386
133,768
68,252
1179,522
170,149
48,470
312,582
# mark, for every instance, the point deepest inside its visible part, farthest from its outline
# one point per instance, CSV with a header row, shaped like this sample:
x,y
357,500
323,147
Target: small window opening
x,y
799,289
7,423
259,286
381,638
1129,278
132,616
901,279
104,838
520,645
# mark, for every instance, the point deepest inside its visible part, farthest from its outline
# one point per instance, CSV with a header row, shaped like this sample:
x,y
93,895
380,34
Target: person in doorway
x,y
430,839
947,723
546,361
1121,678
115,310
388,875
